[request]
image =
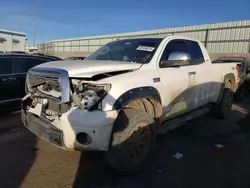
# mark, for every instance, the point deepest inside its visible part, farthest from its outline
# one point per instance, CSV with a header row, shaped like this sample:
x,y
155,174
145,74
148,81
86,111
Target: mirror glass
x,y
179,56
177,59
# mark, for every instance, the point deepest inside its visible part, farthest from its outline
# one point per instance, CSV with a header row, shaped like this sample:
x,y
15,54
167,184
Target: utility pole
x,y
34,25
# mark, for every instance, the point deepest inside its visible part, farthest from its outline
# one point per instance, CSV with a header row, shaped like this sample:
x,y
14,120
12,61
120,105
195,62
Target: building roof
x,y
4,31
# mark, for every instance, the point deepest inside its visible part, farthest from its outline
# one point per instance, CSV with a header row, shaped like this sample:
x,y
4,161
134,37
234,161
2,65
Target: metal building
x,y
227,37
12,40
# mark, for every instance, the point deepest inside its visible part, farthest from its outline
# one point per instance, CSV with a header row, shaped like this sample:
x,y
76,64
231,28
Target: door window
x,y
6,65
174,46
23,64
195,52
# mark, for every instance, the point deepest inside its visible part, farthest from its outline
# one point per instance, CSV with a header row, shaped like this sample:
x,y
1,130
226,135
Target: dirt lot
x,y
28,162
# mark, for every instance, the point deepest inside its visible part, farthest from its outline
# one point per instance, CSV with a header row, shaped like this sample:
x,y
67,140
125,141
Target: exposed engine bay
x,y
46,93
87,95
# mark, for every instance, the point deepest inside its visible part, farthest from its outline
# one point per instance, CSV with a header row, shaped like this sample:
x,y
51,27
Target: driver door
x,y
178,81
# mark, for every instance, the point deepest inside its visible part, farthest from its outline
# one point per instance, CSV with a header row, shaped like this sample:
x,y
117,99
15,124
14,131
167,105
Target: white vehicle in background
x,y
124,94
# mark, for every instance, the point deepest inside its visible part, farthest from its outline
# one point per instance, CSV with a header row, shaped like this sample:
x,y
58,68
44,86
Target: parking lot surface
x,y
28,162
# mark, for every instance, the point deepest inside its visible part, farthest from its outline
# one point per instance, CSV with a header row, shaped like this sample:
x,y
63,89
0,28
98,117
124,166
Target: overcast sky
x,y
57,19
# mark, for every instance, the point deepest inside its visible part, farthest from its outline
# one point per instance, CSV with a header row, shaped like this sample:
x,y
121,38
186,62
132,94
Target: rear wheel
x,y
223,108
239,95
131,141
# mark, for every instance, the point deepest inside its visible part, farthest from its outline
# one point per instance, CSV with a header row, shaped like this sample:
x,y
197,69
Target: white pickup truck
x,y
125,93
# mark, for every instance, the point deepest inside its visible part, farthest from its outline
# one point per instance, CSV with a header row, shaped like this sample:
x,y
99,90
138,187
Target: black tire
x,y
239,95
223,108
131,141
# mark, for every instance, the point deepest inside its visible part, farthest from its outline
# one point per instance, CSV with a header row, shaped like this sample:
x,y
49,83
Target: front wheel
x,y
131,141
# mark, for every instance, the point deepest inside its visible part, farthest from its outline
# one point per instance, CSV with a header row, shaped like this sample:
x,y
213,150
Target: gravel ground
x,y
28,162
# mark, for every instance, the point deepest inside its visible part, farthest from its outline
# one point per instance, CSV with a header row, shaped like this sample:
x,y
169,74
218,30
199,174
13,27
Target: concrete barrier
x,y
70,54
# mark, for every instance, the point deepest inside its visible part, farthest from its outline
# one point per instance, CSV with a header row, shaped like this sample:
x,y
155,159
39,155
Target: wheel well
x,y
231,79
230,85
146,104
137,93
228,78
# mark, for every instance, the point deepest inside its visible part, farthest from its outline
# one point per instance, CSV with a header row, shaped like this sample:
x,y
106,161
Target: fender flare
x,y
136,93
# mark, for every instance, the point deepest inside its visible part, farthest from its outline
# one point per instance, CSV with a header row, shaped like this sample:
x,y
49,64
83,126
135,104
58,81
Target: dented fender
x,y
135,93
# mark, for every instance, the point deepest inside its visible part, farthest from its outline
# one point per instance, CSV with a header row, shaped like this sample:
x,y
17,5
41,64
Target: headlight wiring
x,y
88,96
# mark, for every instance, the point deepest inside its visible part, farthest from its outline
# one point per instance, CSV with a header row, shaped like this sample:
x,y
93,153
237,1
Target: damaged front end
x,y
88,95
48,92
52,93
59,109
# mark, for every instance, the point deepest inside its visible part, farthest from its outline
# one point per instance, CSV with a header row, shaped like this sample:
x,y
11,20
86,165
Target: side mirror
x,y
177,59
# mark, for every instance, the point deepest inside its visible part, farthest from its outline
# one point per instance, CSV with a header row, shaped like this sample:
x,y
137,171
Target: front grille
x,y
45,81
47,86
52,82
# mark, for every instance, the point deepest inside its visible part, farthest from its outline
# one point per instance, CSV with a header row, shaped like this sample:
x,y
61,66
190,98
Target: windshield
x,y
129,50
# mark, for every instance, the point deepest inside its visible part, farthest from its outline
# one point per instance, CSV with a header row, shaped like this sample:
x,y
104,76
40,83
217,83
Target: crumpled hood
x,y
89,68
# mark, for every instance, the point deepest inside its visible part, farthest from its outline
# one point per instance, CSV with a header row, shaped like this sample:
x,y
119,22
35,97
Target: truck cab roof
x,y
160,36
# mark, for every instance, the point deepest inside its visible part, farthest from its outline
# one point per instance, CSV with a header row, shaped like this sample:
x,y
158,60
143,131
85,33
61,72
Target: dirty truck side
x,y
125,93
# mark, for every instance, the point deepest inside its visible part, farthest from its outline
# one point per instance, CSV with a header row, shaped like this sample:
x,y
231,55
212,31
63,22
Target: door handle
x,y
7,79
191,73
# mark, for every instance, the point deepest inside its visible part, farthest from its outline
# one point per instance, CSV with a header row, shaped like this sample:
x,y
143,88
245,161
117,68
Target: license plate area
x,y
54,136
44,130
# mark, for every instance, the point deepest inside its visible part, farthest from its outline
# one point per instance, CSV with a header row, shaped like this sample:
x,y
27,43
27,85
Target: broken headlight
x,y
87,95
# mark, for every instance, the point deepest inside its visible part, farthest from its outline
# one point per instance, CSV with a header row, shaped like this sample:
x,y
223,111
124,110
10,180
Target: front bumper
x,y
47,131
63,131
